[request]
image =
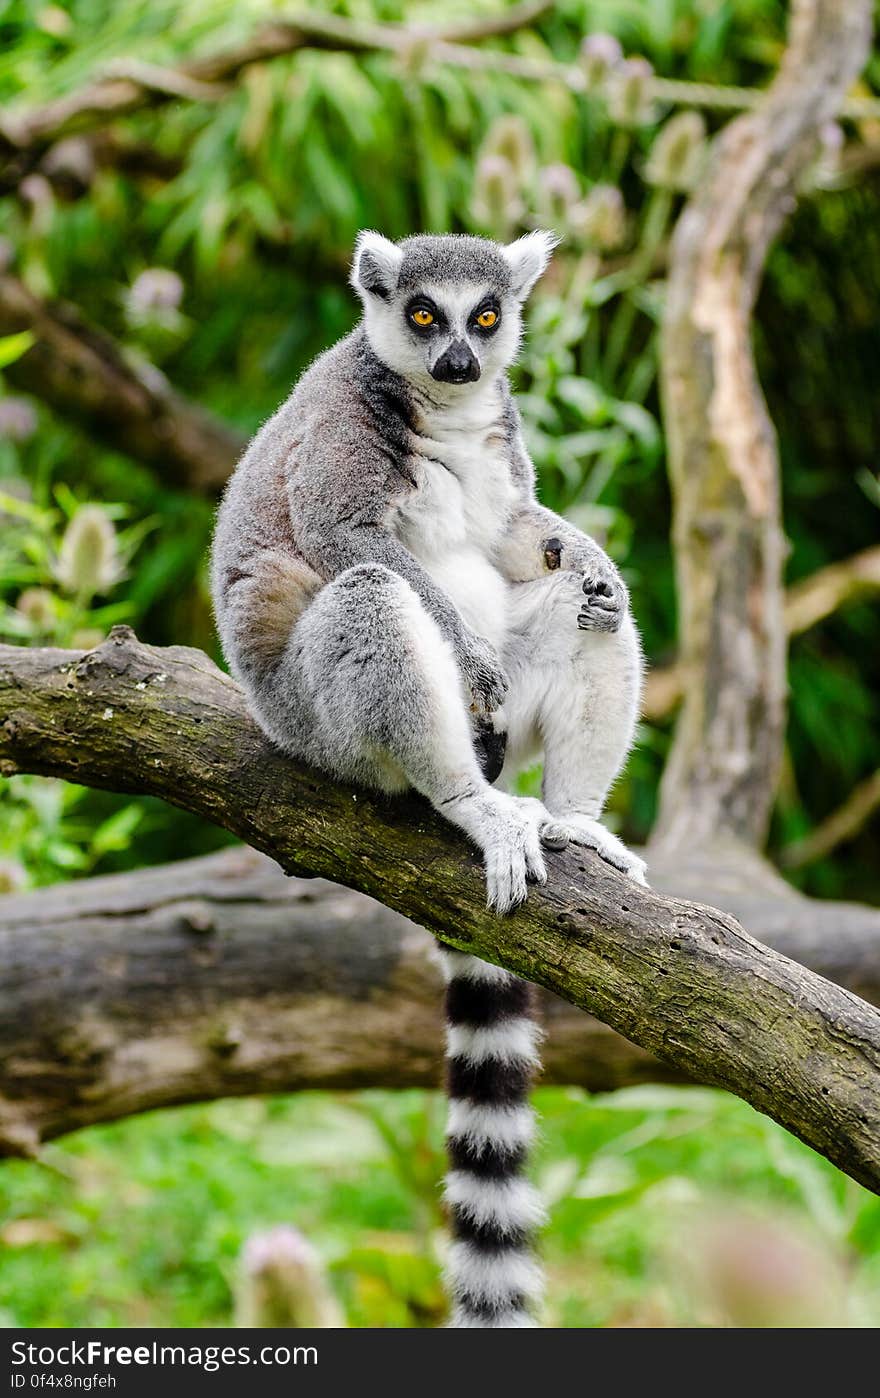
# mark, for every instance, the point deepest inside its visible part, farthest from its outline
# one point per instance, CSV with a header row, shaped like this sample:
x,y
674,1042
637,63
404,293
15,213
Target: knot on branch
x,y
118,653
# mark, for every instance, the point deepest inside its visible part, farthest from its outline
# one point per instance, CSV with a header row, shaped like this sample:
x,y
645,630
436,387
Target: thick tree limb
x,y
682,981
723,458
219,976
806,604
84,374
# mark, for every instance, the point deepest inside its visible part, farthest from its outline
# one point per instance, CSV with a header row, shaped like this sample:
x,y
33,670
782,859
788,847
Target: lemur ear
x,y
376,264
527,259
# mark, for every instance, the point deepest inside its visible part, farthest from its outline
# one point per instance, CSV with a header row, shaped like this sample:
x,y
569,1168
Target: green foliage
x,y
69,570
142,1223
12,347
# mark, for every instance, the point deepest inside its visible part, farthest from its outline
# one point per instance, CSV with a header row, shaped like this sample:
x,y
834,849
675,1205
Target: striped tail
x,y
493,1278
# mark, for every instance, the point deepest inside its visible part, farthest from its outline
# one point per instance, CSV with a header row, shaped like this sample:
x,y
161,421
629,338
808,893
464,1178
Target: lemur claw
x,y
599,618
583,830
596,588
554,835
513,857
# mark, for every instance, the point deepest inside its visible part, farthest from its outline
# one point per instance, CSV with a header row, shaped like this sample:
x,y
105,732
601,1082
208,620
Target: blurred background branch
x,y
814,598
118,397
163,986
805,604
721,775
843,824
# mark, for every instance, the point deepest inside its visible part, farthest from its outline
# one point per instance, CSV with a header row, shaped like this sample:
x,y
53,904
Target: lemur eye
x,y
421,316
486,319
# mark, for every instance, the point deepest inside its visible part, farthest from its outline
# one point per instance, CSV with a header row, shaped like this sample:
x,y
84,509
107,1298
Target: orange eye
x,y
422,317
486,319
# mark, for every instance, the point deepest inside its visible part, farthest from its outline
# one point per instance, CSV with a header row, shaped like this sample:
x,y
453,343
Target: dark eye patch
x,y
424,303
487,308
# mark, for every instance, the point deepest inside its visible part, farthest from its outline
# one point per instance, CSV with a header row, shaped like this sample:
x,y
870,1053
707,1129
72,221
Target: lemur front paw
x,y
512,853
583,830
552,832
606,598
483,675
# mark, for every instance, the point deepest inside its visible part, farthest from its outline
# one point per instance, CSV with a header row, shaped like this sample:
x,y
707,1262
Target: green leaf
x,y
638,421
584,397
115,833
12,347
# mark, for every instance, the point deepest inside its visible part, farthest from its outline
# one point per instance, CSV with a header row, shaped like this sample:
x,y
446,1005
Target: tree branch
x,y
131,86
499,26
682,981
806,604
828,589
842,825
84,374
71,165
723,459
217,977
126,88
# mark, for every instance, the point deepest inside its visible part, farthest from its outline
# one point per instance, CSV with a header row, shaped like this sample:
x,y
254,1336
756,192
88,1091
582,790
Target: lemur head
x,y
446,309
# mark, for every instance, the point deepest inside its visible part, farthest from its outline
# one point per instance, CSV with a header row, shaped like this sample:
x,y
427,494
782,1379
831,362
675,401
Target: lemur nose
x,y
458,364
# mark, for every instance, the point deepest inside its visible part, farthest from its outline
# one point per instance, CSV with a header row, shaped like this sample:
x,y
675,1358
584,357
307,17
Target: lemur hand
x,y
483,674
604,589
606,597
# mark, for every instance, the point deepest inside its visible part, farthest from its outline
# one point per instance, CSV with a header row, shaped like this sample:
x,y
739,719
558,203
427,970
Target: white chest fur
x,y
464,496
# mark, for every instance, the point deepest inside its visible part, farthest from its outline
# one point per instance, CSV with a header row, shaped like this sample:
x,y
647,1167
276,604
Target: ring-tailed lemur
x,y
384,581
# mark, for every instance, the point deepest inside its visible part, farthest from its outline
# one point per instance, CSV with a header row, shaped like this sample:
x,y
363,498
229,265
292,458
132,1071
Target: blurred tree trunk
x,y
720,780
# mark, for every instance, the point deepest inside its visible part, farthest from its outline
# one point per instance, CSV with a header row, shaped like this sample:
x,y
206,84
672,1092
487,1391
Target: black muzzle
x,y
458,364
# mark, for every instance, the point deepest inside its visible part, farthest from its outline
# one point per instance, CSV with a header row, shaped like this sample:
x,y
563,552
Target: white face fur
x,y
449,333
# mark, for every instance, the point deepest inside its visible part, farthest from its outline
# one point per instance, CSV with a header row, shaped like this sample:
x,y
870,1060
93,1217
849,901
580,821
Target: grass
x,y
669,1207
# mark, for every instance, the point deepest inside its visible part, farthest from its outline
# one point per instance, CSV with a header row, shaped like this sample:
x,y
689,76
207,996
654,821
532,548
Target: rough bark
x,y
680,980
723,460
218,977
85,375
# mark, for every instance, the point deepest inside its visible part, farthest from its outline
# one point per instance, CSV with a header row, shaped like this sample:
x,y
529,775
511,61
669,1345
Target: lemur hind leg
x,y
575,693
368,689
